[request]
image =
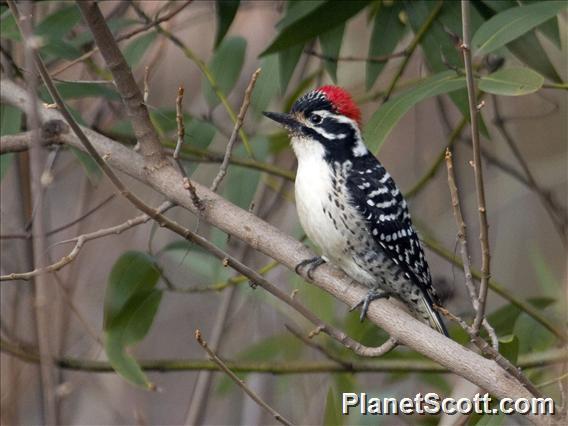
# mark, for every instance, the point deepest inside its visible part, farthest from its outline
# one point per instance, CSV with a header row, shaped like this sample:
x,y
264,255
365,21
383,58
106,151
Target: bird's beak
x,y
288,121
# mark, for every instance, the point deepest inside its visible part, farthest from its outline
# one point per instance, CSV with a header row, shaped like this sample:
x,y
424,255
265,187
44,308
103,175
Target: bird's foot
x,y
312,263
371,295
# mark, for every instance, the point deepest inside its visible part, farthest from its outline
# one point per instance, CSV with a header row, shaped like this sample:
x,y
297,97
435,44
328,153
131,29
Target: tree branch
x,y
381,365
277,416
477,167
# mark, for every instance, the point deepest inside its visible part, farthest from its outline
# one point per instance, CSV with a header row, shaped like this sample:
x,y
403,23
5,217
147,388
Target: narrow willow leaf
x,y
527,48
330,42
438,46
387,32
287,61
226,11
322,18
512,82
513,23
389,114
267,86
59,23
225,66
77,90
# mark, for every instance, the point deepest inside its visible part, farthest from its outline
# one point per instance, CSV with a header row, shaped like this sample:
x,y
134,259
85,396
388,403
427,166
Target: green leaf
x,y
438,46
129,328
527,48
332,411
8,27
503,319
226,11
134,272
267,86
387,32
225,66
389,114
10,123
322,18
131,303
532,335
136,49
513,23
512,82
59,23
509,348
287,61
330,42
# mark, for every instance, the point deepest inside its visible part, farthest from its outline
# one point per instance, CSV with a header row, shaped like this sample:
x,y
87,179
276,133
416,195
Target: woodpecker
x,y
350,206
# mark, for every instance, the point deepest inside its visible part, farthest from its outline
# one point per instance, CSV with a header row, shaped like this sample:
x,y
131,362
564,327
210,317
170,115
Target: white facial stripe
x,y
328,135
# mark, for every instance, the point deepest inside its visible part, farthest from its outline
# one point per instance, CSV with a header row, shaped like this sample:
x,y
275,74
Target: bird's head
x,y
325,119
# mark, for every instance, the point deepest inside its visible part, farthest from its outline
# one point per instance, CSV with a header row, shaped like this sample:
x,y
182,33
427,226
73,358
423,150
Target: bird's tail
x,y
433,317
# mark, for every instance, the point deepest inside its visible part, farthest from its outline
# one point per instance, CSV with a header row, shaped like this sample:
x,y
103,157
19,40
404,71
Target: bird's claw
x,y
371,295
313,263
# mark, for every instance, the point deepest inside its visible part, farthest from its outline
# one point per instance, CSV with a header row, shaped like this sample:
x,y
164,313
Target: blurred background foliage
x,y
140,295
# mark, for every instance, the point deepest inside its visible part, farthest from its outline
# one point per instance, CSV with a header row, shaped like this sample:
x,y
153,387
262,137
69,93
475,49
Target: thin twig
x,y
240,118
311,343
277,416
204,70
462,240
28,235
374,59
497,287
80,242
186,182
489,351
123,37
477,167
412,47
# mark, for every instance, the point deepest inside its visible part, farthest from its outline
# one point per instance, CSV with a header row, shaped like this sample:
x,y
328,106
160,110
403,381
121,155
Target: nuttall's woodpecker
x,y
349,205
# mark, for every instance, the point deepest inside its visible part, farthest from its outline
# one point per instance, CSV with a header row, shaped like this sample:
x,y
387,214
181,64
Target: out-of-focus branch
x,y
126,85
381,365
223,367
240,118
477,167
412,47
41,293
289,252
54,231
123,37
497,287
80,242
558,215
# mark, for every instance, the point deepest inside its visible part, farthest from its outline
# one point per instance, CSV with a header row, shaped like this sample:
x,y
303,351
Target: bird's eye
x,y
316,119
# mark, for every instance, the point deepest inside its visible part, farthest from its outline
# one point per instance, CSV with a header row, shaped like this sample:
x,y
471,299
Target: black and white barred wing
x,y
385,211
